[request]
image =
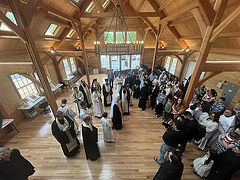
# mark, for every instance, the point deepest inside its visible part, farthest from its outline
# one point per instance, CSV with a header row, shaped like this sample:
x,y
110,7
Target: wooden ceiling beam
x,y
62,37
125,14
31,10
165,4
140,5
217,66
208,11
149,23
200,21
231,17
98,5
12,26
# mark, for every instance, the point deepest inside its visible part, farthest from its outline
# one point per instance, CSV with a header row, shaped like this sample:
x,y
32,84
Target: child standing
x,y
107,128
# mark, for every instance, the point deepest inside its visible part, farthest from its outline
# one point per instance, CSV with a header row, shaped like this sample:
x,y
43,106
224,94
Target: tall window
x,y
109,37
135,61
131,36
24,86
105,61
125,59
120,37
52,30
10,15
168,63
73,66
173,66
67,67
115,62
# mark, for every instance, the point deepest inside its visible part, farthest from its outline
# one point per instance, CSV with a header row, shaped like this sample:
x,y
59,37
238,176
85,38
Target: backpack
x,y
200,133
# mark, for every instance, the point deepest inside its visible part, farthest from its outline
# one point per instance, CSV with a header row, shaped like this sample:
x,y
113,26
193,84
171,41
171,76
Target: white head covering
x,y
115,98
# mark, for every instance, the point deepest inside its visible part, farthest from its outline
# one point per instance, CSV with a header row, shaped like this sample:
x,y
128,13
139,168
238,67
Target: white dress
x,y
107,130
97,104
77,96
202,169
71,114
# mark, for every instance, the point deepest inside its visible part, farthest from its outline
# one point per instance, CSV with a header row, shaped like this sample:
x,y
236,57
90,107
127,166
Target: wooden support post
x,y
33,53
204,50
145,35
200,21
78,29
158,35
97,55
199,83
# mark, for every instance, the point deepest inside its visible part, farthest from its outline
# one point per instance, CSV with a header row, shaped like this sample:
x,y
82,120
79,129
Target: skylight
x,y
104,5
90,7
52,30
70,34
10,15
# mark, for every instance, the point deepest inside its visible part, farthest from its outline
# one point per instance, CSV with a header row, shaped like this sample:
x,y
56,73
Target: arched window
x,y
24,85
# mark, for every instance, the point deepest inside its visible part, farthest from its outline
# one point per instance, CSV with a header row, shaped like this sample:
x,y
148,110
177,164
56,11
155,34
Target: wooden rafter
x,y
149,23
140,5
62,37
31,11
165,4
212,74
208,11
98,5
217,66
225,23
200,21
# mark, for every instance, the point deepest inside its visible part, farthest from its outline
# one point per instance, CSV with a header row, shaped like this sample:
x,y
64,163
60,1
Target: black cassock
x,y
143,98
117,118
63,139
18,168
154,96
84,94
136,89
90,139
105,94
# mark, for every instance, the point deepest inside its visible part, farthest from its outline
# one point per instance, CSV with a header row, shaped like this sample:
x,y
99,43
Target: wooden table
x,y
7,122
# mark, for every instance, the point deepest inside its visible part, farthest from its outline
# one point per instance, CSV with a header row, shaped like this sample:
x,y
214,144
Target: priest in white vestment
x,y
97,103
70,113
118,82
77,97
107,93
107,128
85,111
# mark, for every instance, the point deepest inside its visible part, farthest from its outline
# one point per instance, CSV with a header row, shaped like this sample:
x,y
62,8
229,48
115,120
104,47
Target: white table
x,y
27,106
7,122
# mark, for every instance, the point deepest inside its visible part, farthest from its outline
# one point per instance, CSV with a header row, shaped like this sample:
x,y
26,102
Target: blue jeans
x,y
165,148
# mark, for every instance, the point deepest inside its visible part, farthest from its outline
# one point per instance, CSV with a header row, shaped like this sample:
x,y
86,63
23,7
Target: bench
x,y
7,122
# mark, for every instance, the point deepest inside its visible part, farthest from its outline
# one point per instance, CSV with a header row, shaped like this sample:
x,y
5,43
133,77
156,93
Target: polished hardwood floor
x,y
130,157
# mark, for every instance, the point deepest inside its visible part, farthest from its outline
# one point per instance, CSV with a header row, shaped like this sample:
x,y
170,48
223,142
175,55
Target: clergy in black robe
x,y
63,131
127,80
86,92
125,100
107,93
132,80
170,170
95,84
13,166
90,139
136,89
154,95
116,112
143,97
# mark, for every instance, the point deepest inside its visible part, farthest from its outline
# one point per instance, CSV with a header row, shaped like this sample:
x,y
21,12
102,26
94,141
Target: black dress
x,y
18,168
63,139
143,98
168,172
90,139
136,89
154,96
84,94
105,94
117,118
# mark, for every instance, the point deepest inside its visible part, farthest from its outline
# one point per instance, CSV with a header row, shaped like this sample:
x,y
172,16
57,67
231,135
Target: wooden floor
x,y
131,157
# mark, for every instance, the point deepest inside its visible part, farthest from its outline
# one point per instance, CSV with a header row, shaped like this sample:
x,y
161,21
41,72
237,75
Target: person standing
x,y
107,128
161,100
118,82
90,139
111,77
86,92
154,95
70,113
171,169
97,103
125,97
136,90
84,111
63,131
77,97
143,97
107,93
116,112
95,85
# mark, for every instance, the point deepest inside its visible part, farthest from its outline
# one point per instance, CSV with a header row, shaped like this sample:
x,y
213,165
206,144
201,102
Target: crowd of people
x,y
205,121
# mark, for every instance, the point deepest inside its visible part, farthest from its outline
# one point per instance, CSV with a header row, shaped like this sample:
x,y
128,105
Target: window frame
x,y
128,37
113,37
54,33
30,84
69,65
6,28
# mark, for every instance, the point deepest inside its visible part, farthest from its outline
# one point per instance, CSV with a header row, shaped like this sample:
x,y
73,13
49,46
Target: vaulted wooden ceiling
x,y
186,21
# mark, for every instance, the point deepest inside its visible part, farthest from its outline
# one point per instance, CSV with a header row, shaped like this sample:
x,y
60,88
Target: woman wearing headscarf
x,y
97,103
116,112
